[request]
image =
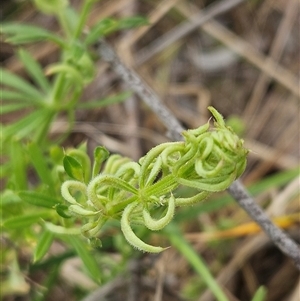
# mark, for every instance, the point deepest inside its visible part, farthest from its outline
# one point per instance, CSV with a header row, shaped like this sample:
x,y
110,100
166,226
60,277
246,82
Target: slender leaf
x,y
102,28
260,294
34,69
43,245
86,257
25,126
99,103
178,241
14,81
18,97
132,22
42,131
13,107
109,25
38,199
19,222
40,165
22,33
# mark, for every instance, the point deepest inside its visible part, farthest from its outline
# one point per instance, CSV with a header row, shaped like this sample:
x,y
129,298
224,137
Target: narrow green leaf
x,y
18,97
16,82
260,294
86,257
100,103
132,22
38,199
34,69
42,131
102,28
22,33
25,126
43,245
40,164
197,263
19,222
52,7
13,107
73,168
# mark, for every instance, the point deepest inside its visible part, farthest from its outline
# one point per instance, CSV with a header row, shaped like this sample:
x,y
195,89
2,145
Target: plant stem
x,y
177,240
279,238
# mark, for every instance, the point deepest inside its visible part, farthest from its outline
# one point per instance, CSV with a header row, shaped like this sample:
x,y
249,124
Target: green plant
x,y
208,160
32,168
60,94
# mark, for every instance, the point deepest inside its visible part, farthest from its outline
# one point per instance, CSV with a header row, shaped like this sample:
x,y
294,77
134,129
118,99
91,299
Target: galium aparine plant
x,y
208,160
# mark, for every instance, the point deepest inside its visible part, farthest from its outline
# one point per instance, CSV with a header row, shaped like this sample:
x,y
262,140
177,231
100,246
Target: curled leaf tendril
x,y
209,160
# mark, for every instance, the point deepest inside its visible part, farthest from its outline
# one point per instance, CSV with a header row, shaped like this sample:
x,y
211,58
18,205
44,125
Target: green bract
x,y
209,159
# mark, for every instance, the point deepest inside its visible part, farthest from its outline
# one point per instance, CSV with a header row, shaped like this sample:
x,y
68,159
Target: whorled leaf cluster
x,y
209,160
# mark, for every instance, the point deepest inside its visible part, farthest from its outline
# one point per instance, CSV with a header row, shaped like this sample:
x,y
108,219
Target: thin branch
x,y
237,190
279,238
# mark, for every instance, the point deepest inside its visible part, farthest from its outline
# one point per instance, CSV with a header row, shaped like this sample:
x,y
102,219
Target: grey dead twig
x,y
237,190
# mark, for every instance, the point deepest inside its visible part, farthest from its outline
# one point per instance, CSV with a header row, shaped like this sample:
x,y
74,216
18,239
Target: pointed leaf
x,y
13,107
38,199
19,222
102,28
132,22
34,69
86,257
260,294
43,245
23,33
16,82
18,97
25,126
73,168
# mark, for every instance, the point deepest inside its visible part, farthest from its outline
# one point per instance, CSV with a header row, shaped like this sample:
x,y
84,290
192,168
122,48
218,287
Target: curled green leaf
x,y
130,235
159,224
